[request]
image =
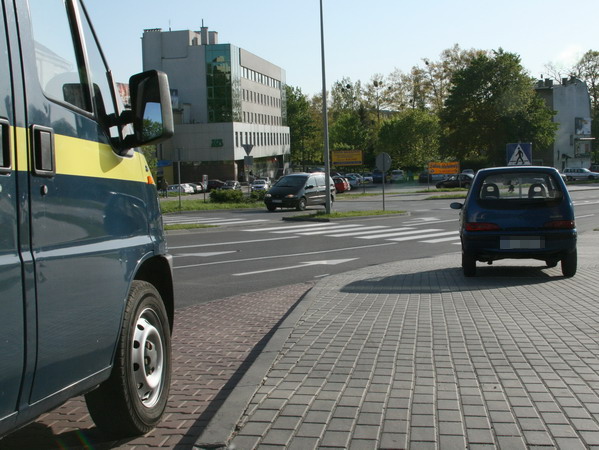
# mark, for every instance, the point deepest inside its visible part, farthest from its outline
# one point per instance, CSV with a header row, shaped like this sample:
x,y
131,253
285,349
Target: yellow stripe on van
x,y
80,157
84,158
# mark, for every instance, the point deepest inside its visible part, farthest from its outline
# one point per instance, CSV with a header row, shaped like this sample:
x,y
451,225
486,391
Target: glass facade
x,y
223,82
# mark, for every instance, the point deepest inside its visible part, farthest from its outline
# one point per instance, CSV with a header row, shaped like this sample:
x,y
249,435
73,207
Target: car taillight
x,y
561,224
481,226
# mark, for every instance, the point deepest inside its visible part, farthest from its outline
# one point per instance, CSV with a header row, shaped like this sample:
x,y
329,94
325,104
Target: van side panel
x,y
89,223
12,334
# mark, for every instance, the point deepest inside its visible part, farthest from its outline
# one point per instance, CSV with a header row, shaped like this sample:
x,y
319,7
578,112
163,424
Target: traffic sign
x,y
519,154
383,162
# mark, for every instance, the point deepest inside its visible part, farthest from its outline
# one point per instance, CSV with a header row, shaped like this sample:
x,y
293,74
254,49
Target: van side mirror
x,y
151,111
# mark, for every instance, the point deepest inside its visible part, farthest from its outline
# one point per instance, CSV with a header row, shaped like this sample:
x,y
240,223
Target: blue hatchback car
x,y
522,212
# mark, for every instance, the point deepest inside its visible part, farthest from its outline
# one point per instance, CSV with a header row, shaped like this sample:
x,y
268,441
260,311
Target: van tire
x,y
301,204
133,399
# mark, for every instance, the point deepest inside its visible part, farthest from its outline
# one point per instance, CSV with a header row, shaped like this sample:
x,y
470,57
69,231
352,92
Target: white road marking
x,y
412,238
332,262
399,232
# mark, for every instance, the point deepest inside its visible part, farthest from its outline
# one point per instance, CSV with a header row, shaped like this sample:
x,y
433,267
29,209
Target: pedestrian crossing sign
x,y
519,154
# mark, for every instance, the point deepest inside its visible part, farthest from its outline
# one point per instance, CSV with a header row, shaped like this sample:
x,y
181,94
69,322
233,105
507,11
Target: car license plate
x,y
522,242
277,201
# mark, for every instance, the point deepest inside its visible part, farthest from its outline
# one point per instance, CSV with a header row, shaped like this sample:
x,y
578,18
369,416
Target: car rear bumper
x,y
490,246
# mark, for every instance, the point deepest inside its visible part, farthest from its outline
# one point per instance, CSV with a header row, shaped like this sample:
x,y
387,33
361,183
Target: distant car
x,y
341,184
377,177
455,181
573,174
231,185
397,175
214,184
197,187
368,177
354,180
518,212
298,190
425,177
184,188
260,185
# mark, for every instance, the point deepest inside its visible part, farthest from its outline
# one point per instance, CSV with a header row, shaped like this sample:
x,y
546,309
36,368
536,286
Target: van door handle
x,y
5,151
43,151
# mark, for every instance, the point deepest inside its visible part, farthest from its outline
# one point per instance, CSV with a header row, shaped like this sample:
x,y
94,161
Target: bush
x,y
257,196
226,196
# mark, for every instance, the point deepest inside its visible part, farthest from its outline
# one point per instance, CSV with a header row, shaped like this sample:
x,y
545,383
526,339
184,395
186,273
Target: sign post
x,y
383,163
248,161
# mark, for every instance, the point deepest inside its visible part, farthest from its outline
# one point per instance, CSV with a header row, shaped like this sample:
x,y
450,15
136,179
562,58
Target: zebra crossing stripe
x,y
410,238
361,231
436,241
342,227
398,232
295,227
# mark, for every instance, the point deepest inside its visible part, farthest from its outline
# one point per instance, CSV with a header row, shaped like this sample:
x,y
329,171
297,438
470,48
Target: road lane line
x,y
261,258
233,242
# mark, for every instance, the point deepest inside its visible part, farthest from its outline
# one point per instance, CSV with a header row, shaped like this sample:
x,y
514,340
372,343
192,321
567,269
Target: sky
x,y
361,38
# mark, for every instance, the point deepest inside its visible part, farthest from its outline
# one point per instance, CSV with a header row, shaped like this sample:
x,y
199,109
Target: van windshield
x,y
291,181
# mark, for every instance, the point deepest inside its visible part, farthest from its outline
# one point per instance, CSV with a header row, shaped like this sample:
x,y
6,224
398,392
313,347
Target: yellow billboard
x,y
444,168
347,158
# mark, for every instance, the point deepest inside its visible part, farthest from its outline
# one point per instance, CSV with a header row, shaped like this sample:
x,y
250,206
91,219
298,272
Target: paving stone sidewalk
x,y
213,346
415,355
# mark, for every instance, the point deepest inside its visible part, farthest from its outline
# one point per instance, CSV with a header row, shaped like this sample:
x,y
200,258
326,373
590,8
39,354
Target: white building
x,y
227,101
572,103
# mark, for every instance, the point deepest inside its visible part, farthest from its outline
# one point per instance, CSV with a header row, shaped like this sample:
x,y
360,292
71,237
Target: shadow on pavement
x,y
452,280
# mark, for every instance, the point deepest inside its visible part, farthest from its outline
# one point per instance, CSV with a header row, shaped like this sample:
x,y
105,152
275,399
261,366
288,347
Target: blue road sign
x,y
519,154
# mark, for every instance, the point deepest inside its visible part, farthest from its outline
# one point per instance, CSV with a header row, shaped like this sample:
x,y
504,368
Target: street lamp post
x,y
327,169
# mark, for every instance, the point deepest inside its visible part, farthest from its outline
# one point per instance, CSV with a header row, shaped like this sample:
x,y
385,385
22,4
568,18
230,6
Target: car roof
x,y
512,169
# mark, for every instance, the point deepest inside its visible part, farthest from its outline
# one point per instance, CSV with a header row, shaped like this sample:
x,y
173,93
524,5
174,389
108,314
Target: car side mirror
x,y
456,205
151,111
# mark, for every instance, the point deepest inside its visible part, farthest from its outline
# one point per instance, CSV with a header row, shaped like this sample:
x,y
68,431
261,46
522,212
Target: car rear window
x,y
526,189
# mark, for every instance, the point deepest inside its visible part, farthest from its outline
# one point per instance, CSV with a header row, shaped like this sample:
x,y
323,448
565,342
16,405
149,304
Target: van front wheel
x,y
133,399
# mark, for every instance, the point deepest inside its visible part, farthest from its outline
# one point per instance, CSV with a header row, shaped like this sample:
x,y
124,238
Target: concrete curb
x,y
221,427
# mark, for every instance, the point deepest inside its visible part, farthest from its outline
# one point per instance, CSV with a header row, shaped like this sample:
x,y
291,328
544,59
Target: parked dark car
x,y
455,181
522,212
299,190
214,184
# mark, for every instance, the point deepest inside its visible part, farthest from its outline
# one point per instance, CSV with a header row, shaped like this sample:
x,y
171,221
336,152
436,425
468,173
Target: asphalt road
x,y
254,250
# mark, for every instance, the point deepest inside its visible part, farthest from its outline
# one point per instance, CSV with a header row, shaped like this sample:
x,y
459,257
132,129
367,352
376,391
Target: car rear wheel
x,y
569,264
301,204
468,265
271,208
132,401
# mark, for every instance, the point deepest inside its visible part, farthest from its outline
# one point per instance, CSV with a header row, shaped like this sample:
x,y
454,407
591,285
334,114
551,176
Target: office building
x,y
228,104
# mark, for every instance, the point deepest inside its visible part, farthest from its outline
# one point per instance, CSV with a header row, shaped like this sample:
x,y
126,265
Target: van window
x,y
57,66
103,86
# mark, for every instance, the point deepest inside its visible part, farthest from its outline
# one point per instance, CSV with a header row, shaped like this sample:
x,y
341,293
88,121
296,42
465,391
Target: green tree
x,y
302,126
348,132
491,103
411,138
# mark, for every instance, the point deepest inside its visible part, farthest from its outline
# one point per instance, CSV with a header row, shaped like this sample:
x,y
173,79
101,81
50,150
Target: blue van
x,y
86,282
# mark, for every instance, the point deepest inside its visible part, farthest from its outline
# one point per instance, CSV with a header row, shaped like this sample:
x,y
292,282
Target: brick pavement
x,y
414,355
213,346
